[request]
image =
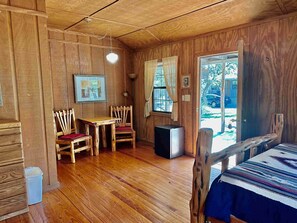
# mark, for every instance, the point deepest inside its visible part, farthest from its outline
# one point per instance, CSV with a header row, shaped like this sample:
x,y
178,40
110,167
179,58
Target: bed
x,y
260,189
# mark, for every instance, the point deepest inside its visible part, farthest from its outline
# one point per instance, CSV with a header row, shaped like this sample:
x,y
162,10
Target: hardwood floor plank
x,y
92,193
37,212
58,208
112,183
146,176
129,186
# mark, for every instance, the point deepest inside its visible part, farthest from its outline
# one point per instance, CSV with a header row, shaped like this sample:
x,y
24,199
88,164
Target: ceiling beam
x,y
85,44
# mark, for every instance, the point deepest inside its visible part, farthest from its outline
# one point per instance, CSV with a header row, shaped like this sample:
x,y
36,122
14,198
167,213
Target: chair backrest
x,y
125,113
64,121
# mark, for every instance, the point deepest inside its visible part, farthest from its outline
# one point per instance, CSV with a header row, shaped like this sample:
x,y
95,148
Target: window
x,y
161,100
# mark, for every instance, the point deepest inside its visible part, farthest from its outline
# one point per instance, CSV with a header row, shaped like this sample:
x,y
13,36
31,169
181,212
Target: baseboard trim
x,y
51,187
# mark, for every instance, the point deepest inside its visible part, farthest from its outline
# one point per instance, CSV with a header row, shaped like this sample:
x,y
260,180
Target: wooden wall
x,y
73,53
270,77
26,82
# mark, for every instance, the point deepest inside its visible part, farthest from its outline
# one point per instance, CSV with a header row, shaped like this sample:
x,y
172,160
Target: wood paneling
x,y
68,58
58,70
210,20
7,77
288,80
270,77
102,27
263,79
61,19
143,23
25,74
144,13
78,6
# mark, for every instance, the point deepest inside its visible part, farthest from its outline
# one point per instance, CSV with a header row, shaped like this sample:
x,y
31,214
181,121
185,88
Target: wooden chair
x,y
124,126
68,141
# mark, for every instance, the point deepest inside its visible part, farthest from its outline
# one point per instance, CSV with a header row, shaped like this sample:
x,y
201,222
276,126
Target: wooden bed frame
x,y
205,159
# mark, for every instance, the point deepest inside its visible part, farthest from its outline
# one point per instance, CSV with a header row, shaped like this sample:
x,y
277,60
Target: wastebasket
x,y
34,184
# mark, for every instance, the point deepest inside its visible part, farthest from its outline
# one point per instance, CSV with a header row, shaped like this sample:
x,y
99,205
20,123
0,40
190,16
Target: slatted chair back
x,y
68,140
125,115
66,122
124,126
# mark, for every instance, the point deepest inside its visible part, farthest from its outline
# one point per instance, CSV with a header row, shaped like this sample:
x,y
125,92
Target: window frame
x,y
160,87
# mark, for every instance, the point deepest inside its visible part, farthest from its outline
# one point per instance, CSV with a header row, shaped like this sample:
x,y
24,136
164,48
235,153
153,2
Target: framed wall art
x,y
89,88
185,81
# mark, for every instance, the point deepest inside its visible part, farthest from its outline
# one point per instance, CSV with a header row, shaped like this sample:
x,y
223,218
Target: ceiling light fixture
x,y
112,57
88,19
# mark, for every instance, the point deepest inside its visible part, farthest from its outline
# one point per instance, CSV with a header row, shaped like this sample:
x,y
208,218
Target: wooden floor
x,y
124,186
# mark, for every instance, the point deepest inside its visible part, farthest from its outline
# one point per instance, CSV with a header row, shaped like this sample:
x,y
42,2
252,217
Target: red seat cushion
x,y
72,136
124,129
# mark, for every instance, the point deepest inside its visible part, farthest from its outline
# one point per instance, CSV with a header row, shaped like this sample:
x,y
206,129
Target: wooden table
x,y
101,121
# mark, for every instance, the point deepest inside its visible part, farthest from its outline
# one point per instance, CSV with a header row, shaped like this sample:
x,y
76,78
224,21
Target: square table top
x,y
99,120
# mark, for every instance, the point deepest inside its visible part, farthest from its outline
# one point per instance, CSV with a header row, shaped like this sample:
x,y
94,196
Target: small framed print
x,y
185,81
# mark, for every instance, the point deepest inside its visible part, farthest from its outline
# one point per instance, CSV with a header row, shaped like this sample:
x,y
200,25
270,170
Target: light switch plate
x,y
187,97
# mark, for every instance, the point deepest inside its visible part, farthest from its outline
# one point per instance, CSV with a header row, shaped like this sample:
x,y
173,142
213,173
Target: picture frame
x,y
186,81
89,88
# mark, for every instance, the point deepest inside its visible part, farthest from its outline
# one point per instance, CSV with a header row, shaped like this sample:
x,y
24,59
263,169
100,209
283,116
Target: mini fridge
x,y
169,141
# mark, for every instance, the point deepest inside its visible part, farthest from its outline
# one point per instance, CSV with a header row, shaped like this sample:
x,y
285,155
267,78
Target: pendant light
x,y
112,57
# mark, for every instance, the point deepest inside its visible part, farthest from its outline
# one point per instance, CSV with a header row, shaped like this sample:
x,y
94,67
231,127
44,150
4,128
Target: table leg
x,y
87,132
103,136
87,129
96,141
113,138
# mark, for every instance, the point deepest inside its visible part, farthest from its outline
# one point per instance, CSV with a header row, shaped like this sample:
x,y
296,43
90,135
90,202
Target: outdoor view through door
x,y
218,98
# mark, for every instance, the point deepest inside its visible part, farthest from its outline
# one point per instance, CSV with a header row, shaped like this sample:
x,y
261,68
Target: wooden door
x,y
239,91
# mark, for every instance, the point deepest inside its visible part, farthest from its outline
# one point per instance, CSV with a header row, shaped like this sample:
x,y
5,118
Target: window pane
x,y
156,94
159,80
161,100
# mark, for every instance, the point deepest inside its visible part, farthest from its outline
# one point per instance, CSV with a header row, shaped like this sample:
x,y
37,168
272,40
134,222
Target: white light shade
x,y
112,57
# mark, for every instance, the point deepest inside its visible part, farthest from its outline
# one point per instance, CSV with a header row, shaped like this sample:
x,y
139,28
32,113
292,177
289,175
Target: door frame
x,y
239,50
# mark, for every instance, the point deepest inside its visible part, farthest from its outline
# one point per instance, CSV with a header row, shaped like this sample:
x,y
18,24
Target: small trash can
x,y
34,184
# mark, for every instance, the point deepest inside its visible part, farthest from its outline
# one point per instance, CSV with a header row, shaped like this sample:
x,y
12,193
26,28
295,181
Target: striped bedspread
x,y
272,174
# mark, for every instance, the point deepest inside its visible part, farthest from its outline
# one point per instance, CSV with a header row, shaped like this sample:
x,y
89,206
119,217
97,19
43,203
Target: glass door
x,y
219,98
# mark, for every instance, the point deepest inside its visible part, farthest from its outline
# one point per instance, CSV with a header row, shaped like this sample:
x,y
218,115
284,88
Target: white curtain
x,y
150,68
170,73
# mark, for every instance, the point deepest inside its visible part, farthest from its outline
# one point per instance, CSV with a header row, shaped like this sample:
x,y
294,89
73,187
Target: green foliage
x,y
211,77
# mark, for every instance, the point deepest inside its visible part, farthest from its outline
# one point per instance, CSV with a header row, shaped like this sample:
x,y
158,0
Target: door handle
x,y
234,120
237,120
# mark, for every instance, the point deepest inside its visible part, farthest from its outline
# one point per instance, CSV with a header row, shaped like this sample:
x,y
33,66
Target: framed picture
x,y
89,88
186,81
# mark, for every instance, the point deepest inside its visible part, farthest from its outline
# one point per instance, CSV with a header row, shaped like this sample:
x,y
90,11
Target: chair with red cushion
x,y
124,126
68,140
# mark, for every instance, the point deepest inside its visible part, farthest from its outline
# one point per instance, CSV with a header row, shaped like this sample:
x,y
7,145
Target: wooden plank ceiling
x,y
143,23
